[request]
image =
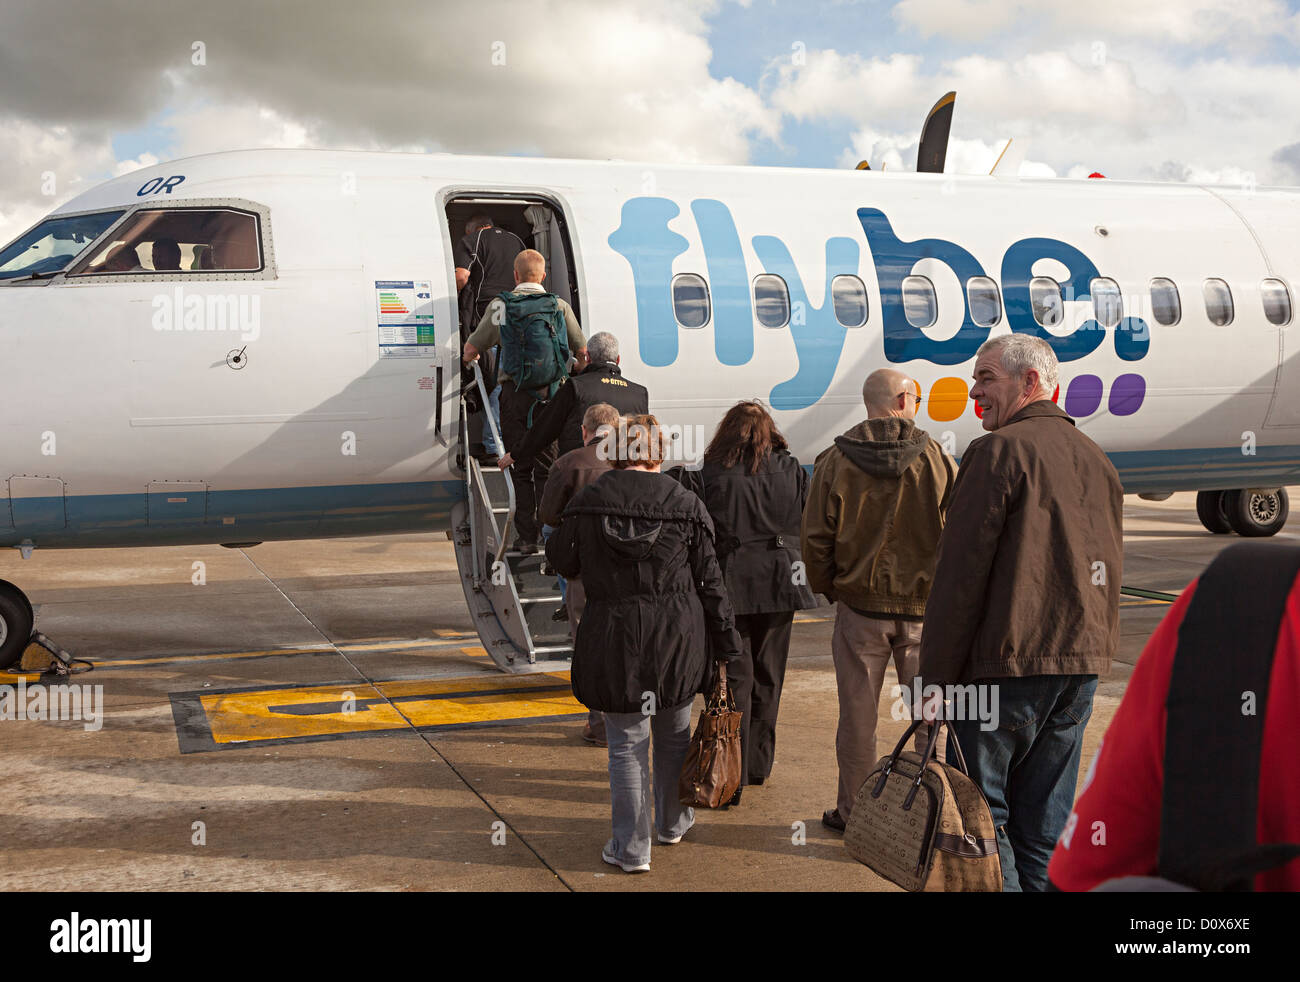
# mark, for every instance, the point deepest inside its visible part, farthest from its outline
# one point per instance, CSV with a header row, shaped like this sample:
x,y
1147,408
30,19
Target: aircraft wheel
x,y
1256,513
1210,510
16,624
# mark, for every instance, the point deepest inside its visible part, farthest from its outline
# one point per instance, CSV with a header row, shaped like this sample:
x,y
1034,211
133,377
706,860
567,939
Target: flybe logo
x,y
644,239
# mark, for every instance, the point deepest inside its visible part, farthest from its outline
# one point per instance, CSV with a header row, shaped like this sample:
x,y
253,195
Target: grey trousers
x,y
629,736
861,648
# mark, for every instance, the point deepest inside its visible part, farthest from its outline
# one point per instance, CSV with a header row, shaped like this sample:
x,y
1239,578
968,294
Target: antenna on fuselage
x,y
933,151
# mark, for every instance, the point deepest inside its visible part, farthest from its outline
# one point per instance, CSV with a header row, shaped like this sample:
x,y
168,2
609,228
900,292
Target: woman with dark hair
x,y
755,491
643,546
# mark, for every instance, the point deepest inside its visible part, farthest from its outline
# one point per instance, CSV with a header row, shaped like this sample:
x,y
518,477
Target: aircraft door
x,y
37,504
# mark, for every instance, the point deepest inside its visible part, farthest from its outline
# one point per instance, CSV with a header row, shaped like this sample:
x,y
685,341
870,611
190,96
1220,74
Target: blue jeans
x,y
1028,767
629,779
490,443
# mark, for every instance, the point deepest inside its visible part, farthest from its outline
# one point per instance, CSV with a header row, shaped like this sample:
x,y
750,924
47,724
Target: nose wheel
x,y
16,623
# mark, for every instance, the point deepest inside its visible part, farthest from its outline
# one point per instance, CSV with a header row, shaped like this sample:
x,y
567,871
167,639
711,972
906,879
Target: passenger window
x,y
1107,305
985,304
771,300
184,240
1277,302
850,298
1166,307
1045,298
919,301
690,300
1218,303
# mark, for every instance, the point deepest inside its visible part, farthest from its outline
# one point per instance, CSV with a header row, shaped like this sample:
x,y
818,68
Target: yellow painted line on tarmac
x,y
310,649
322,712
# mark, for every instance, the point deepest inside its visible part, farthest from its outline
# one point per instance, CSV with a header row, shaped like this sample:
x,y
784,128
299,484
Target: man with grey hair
x,y
561,418
870,530
1025,600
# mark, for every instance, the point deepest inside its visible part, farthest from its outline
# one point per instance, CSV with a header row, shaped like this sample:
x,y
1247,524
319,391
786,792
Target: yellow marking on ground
x,y
8,678
317,711
302,650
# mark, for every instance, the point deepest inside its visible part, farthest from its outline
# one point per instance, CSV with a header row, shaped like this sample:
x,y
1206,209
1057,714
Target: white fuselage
x,y
124,424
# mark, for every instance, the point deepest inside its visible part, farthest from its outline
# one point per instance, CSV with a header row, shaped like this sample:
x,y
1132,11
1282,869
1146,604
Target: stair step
x,y
552,649
549,598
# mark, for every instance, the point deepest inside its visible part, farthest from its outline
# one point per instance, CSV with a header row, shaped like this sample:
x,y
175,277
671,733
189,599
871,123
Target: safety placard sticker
x,y
404,309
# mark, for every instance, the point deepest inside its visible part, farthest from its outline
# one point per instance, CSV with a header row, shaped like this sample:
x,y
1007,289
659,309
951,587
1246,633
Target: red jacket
x,y
1122,789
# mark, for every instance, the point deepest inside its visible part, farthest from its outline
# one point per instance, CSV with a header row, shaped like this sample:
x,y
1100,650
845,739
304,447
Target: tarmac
x,y
320,716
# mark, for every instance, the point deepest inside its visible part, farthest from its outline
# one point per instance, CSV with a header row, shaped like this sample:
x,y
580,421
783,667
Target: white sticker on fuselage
x,y
404,309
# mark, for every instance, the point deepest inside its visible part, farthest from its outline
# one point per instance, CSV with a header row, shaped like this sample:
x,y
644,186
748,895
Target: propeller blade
x,y
933,151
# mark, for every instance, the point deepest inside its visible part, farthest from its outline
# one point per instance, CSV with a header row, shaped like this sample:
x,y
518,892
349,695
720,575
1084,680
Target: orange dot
x,y
947,399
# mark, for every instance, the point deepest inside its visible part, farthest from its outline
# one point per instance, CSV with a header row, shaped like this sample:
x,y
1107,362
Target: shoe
x,y
546,569
525,548
665,840
733,800
589,735
561,615
625,867
832,820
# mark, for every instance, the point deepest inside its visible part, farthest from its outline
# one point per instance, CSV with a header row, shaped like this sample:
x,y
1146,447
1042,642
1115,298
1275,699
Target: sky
x,y
1206,91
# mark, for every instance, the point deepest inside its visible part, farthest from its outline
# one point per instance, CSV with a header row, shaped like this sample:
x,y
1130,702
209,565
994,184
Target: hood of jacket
x,y
883,447
633,505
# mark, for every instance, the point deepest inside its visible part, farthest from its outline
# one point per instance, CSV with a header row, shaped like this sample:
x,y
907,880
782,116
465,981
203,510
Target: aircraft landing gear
x,y
1209,509
16,622
1250,512
1256,512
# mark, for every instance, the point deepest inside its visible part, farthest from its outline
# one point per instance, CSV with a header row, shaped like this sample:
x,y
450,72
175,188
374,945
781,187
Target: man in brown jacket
x,y
569,475
870,530
1024,613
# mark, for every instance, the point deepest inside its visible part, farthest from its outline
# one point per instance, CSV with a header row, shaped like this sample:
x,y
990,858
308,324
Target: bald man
x,y
870,535
518,407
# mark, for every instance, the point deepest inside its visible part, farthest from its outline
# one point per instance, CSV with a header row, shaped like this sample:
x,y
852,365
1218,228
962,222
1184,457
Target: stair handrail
x,y
475,474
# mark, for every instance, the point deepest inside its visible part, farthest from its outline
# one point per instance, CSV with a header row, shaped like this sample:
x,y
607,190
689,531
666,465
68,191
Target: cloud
x,y
1219,118
587,79
1170,22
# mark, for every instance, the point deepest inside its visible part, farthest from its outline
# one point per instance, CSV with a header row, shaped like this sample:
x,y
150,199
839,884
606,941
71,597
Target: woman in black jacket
x,y
643,547
755,491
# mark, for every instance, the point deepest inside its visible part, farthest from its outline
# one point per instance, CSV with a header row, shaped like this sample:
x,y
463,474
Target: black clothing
x,y
757,520
529,476
562,418
756,682
643,547
489,255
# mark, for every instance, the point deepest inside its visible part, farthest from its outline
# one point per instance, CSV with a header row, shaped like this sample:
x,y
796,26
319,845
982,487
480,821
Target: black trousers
x,y
755,679
529,478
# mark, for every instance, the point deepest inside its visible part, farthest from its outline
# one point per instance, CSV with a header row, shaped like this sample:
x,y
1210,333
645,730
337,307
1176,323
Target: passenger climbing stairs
x,y
510,598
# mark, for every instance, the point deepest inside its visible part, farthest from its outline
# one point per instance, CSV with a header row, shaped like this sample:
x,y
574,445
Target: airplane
x,y
264,344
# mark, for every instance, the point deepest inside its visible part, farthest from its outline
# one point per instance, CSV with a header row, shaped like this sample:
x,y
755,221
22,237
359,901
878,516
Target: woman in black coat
x,y
643,547
755,490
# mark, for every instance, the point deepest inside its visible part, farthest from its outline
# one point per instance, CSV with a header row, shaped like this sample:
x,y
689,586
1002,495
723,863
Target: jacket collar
x,y
1043,407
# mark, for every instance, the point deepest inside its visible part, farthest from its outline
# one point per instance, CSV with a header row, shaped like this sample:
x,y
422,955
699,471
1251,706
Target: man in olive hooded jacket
x,y
870,535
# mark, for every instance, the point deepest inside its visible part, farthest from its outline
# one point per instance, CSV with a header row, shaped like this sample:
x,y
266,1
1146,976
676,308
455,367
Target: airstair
x,y
511,600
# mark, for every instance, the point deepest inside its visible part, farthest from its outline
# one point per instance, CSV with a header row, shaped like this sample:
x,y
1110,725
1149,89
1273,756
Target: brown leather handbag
x,y
711,772
924,824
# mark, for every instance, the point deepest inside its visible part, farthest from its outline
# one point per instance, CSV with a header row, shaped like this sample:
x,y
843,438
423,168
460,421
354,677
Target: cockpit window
x,y
53,244
184,240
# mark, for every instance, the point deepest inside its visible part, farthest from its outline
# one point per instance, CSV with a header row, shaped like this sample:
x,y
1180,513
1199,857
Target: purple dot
x,y
1083,396
1126,395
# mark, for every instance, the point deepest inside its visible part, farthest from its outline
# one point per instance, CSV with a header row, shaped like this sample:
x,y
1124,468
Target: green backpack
x,y
534,341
